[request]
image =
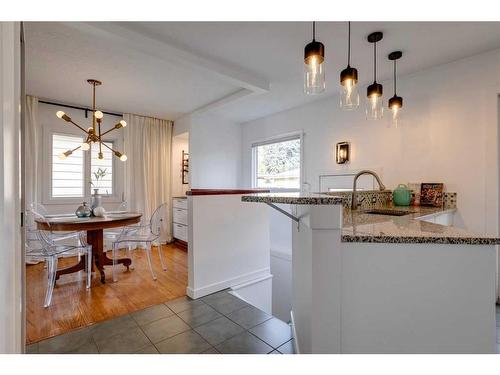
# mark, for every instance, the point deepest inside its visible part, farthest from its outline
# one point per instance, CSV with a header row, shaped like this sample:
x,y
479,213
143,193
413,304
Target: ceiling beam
x,y
128,38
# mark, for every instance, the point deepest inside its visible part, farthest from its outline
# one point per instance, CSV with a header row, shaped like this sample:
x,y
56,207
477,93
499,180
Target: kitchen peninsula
x,y
371,283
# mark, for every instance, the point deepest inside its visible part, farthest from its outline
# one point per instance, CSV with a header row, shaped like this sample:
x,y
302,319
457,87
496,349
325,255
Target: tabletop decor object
x,y
431,194
99,211
83,210
415,193
93,133
401,195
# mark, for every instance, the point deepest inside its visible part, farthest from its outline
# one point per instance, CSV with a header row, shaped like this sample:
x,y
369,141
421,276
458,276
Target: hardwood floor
x,y
74,307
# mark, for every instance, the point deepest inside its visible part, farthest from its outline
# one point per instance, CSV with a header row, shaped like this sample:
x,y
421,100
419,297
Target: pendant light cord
x,y
314,31
349,45
375,62
394,77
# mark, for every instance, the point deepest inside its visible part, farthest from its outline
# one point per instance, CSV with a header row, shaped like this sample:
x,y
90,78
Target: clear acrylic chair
x,y
56,236
40,244
143,234
111,235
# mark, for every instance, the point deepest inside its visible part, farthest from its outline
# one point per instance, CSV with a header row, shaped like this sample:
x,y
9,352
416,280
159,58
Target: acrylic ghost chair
x,y
111,235
143,234
41,244
56,236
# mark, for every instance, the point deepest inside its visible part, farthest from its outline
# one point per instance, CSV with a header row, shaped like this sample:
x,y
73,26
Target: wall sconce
x,y
342,152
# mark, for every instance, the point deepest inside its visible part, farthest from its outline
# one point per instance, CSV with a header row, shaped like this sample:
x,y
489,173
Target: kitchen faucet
x,y
381,186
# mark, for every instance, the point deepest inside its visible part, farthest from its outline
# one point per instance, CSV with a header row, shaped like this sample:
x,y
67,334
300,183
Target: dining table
x,y
94,226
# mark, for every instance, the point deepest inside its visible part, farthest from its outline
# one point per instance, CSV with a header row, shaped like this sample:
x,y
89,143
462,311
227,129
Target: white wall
x,y
215,150
49,123
179,143
449,134
11,261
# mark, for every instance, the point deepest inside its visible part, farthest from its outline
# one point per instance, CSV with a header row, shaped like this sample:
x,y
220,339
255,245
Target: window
x,y
72,176
277,163
101,170
67,174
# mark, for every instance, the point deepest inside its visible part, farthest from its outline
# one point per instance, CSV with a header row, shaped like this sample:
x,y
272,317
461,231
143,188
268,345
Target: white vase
x,y
96,200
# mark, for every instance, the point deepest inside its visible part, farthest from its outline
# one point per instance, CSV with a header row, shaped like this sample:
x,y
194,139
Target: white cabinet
x,y
180,218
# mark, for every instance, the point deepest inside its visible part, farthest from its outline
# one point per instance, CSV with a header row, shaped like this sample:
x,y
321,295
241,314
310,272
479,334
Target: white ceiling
x,y
168,69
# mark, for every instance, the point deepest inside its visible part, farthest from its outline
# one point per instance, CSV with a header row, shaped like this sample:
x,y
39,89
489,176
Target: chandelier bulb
x,y
123,122
62,156
100,155
123,157
85,146
60,114
98,115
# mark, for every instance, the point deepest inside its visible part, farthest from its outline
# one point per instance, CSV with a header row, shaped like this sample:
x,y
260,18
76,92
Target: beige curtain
x,y
31,156
147,144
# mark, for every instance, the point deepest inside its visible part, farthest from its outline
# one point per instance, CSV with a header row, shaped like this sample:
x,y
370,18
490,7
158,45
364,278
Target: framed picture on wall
x,y
431,194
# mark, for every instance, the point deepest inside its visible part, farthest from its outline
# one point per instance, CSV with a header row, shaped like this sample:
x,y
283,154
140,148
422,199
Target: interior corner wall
x,y
214,151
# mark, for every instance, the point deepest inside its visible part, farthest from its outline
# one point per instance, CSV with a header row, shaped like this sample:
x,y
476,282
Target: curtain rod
x,y
86,109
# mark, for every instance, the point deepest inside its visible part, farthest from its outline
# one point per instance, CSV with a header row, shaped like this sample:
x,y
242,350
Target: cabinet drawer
x,y
180,232
180,216
180,203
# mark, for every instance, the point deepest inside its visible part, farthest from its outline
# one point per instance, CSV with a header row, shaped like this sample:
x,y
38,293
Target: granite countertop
x,y
292,198
359,226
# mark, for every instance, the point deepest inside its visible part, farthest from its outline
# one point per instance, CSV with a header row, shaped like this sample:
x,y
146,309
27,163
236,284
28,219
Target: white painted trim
x,y
231,98
251,282
12,276
294,334
276,139
228,283
282,255
47,160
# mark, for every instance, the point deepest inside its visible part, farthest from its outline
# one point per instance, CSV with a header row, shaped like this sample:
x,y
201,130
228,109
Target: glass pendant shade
x,y
374,99
349,95
396,106
314,70
374,102
396,102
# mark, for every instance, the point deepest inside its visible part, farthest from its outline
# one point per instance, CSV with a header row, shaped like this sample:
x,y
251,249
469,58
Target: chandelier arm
x,y
105,145
107,131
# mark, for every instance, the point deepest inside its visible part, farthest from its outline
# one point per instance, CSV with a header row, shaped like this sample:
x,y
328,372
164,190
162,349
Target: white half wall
x,y
228,244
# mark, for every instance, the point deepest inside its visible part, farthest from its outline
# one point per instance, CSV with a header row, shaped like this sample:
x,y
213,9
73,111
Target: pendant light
x,y
314,71
396,102
349,96
374,106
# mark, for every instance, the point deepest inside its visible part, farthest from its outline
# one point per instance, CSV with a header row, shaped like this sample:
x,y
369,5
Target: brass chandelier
x,y
93,133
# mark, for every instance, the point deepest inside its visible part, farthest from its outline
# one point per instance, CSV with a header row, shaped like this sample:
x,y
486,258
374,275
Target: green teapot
x,y
401,196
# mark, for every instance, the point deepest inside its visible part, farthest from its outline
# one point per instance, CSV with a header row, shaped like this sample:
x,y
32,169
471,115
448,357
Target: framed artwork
x,y
431,194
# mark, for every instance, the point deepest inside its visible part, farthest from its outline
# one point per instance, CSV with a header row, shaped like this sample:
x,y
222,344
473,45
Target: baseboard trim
x,y
254,281
247,278
281,255
294,334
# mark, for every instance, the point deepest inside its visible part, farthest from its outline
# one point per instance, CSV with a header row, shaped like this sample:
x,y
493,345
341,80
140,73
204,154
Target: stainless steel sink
x,y
387,211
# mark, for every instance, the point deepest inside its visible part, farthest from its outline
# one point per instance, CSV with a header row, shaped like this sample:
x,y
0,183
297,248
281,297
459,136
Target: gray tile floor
x,y
218,323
